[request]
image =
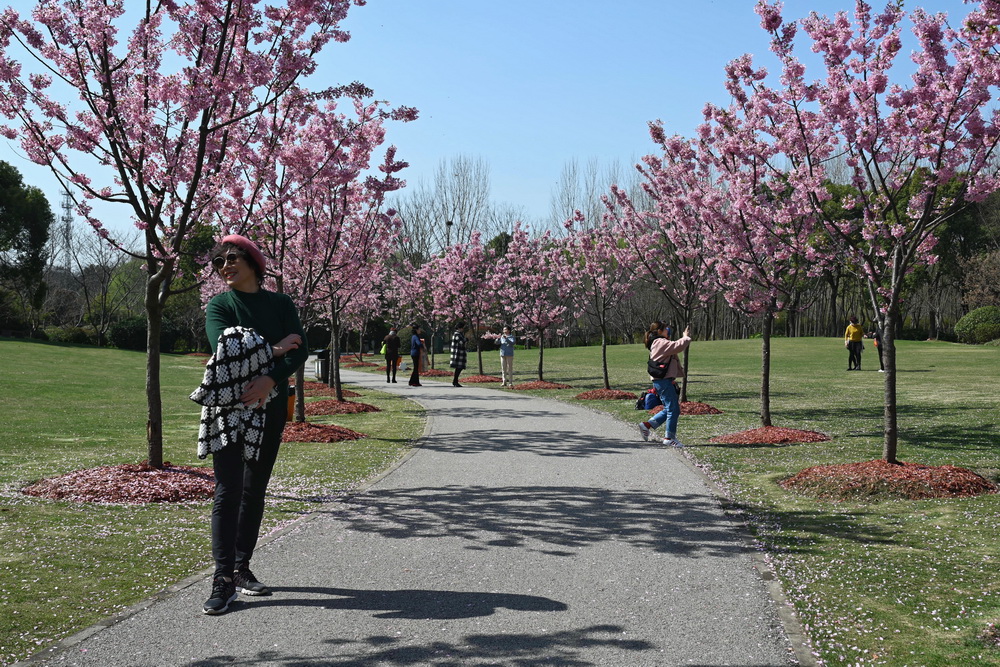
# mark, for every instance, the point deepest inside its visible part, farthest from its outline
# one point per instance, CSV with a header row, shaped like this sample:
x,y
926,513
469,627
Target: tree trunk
x,y
832,322
300,394
479,346
604,354
433,336
335,354
765,369
541,353
154,418
891,428
684,381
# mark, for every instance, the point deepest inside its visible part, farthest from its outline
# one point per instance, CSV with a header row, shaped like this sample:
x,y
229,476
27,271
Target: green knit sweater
x,y
270,314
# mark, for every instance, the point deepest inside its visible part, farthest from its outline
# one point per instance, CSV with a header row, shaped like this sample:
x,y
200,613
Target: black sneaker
x,y
223,592
247,584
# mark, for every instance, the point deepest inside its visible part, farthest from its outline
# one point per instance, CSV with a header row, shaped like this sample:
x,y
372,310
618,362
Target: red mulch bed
x,y
335,407
358,364
130,484
770,435
323,390
307,432
874,479
606,395
696,408
541,384
436,373
198,354
692,408
307,385
481,379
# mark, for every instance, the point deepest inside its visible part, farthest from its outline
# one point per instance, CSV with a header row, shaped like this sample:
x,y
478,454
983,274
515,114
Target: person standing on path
x,y
416,348
240,482
459,354
506,342
392,344
662,349
853,336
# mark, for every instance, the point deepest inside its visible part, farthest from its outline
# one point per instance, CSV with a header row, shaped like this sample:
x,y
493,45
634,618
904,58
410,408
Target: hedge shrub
x,y
130,334
980,326
75,335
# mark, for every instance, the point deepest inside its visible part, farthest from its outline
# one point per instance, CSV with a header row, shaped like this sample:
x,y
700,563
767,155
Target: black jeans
x,y
391,364
854,355
239,494
415,375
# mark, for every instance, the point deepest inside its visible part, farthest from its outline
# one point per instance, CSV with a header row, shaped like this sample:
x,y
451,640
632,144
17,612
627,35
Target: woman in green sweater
x,y
240,484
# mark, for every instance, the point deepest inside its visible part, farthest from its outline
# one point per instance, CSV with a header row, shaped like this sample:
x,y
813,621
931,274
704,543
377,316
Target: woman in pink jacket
x,y
661,348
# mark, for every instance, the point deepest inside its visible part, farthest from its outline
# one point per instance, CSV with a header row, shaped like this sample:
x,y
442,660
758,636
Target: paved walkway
x,y
522,532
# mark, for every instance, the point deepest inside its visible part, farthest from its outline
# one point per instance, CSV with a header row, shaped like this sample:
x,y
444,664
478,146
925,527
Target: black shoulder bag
x,y
658,369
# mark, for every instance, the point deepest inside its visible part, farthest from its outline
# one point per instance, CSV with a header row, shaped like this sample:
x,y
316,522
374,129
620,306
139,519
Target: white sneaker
x,y
644,430
672,442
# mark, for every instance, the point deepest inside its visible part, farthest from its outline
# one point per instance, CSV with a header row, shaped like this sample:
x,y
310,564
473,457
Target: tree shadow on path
x,y
558,520
567,648
560,443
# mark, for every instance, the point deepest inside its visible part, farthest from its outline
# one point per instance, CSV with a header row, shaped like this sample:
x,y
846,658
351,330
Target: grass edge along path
x,y
895,582
67,408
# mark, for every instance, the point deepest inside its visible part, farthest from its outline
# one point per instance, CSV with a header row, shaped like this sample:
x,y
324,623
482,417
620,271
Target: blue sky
x,y
530,85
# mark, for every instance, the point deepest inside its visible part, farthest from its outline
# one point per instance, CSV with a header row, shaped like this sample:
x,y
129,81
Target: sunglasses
x,y
230,258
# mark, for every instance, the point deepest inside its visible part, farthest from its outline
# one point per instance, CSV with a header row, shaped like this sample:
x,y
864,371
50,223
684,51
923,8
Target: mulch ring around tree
x,y
358,364
308,432
876,480
335,407
770,435
131,484
435,373
482,379
691,408
321,389
541,384
607,395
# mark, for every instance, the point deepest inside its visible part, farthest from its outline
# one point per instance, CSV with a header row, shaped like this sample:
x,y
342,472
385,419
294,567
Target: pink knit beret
x,y
249,247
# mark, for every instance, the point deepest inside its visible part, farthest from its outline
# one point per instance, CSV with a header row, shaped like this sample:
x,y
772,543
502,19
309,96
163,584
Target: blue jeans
x,y
671,406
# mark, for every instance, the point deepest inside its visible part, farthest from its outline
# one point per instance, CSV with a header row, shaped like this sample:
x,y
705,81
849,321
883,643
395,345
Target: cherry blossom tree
x,y
758,232
416,290
903,143
160,119
462,288
604,264
666,244
537,285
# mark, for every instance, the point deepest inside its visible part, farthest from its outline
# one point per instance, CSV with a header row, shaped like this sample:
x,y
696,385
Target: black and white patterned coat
x,y
240,356
459,356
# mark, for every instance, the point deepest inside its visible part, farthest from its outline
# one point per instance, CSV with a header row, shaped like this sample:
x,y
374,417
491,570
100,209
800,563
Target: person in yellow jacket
x,y
852,341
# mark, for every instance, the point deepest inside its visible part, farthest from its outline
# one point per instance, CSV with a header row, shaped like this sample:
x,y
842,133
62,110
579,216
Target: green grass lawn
x,y
895,583
64,565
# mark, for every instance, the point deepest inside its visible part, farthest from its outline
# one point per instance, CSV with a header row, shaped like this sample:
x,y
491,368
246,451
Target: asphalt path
x,y
521,531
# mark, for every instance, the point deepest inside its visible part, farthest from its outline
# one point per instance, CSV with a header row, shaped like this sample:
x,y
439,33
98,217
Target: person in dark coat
x,y
416,347
392,344
458,352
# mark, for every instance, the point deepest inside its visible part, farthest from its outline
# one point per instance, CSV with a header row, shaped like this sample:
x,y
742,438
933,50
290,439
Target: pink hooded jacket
x,y
662,348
